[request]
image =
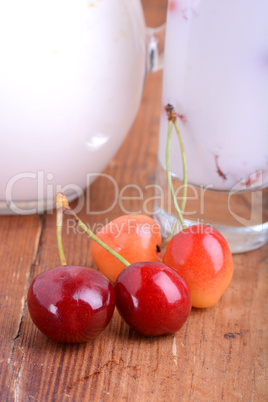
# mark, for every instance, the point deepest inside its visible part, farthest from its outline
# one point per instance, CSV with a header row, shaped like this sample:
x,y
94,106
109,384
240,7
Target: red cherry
x,y
202,256
152,298
134,237
71,303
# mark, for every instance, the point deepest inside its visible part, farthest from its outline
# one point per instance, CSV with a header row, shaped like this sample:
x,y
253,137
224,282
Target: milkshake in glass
x,y
216,77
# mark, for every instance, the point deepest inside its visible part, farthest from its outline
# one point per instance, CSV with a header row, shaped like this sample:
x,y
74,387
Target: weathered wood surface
x,y
220,354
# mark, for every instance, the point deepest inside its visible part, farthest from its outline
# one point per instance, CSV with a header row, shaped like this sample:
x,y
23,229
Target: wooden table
x,y
219,354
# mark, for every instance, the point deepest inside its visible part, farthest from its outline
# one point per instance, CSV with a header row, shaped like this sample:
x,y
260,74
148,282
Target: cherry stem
x,y
69,211
172,120
60,208
185,174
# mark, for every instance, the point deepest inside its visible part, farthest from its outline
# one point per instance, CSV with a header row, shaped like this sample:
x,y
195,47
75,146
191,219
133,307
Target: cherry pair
x,y
74,304
199,253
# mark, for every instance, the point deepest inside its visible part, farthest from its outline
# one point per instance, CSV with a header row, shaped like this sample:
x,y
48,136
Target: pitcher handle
x,y
155,48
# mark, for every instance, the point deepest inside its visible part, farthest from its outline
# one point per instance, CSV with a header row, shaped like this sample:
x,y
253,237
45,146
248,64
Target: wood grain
x,y
220,354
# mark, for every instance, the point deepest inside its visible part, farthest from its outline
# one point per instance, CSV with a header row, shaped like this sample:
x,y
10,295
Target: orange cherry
x,y
135,237
202,256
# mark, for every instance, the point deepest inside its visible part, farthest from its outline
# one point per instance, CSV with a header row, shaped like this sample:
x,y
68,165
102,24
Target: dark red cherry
x,y
71,303
152,298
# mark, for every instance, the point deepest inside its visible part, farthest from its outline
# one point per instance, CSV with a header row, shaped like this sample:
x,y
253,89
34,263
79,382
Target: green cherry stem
x,y
69,211
172,120
185,173
60,208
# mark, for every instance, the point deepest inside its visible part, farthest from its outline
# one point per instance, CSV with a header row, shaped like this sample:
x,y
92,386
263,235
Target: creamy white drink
x,y
216,77
71,79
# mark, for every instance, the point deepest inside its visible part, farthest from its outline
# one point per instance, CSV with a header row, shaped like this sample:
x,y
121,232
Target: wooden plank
x,y
220,354
20,240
